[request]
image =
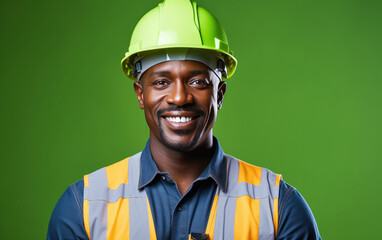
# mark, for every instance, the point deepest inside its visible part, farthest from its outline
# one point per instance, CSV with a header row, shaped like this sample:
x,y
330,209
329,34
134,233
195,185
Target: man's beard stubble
x,y
181,147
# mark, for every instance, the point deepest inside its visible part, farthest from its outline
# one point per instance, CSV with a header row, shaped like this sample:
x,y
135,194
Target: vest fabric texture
x,y
114,208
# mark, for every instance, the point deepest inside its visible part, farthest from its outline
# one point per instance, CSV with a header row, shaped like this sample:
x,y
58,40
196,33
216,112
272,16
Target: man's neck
x,y
183,166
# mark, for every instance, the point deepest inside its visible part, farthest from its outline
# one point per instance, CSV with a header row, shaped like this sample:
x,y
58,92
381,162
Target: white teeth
x,y
179,119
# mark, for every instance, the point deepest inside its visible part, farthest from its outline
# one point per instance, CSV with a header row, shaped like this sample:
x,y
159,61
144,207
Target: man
x,y
182,185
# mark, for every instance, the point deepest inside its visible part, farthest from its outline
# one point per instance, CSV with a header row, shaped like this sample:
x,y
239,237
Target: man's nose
x,y
179,94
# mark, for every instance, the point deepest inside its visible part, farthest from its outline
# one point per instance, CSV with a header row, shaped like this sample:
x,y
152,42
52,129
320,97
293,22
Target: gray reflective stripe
x,y
254,191
266,228
99,195
97,209
98,191
225,218
138,211
112,195
133,175
226,207
235,189
98,220
138,219
270,178
98,178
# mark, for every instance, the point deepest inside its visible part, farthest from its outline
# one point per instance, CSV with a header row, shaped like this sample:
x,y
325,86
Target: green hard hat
x,y
178,24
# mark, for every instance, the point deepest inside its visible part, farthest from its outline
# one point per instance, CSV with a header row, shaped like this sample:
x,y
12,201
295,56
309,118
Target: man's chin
x,y
180,140
180,145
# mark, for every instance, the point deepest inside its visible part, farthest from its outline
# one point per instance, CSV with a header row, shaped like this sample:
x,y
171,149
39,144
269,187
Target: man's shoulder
x,y
244,162
248,179
249,170
67,217
295,216
113,175
121,165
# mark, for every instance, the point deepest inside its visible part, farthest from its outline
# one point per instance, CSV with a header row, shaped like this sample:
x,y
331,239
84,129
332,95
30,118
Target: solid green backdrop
x,y
305,102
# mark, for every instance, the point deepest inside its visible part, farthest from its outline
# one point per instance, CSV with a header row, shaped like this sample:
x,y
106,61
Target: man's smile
x,y
180,119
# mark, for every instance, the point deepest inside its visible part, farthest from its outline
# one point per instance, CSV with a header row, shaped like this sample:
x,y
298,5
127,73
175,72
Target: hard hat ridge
x,y
171,31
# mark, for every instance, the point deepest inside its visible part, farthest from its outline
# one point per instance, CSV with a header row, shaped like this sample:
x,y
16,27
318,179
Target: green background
x,y
305,102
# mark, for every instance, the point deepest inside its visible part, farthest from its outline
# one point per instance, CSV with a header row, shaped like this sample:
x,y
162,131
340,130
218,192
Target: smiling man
x,y
182,185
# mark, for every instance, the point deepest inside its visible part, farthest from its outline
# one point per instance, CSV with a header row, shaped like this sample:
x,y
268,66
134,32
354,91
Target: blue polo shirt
x,y
176,216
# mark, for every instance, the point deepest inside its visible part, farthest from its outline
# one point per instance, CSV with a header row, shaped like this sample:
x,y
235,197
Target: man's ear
x,y
221,91
139,92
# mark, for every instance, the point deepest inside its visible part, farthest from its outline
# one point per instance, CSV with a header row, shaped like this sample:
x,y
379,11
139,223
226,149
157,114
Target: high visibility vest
x,y
114,208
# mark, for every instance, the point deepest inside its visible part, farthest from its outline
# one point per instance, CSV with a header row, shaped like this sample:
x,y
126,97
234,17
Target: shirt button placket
x,y
183,219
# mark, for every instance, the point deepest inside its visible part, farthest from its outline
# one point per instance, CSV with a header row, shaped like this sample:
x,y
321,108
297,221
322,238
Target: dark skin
x,y
180,100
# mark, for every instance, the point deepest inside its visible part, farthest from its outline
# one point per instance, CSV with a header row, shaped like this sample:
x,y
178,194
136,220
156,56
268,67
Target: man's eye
x,y
199,83
160,83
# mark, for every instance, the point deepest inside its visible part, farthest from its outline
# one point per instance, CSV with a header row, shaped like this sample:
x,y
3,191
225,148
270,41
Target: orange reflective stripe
x,y
86,180
153,234
247,218
211,220
278,178
276,206
118,213
249,173
117,171
275,214
118,220
86,217
86,208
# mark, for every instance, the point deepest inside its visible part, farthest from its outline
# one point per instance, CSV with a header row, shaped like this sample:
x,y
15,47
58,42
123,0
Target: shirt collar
x,y
216,169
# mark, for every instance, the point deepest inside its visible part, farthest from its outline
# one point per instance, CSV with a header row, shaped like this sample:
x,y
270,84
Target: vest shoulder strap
x,y
246,179
112,198
248,209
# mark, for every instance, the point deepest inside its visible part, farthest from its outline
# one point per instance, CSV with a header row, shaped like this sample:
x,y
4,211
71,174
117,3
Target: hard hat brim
x,y
128,61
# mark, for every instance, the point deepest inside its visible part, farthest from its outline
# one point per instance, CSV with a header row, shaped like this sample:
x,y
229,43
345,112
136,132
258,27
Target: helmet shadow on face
x,y
139,88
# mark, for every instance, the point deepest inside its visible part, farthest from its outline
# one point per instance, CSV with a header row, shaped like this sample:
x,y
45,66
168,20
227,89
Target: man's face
x,y
180,100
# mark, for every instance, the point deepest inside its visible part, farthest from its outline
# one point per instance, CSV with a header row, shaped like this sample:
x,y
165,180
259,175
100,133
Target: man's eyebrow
x,y
159,73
